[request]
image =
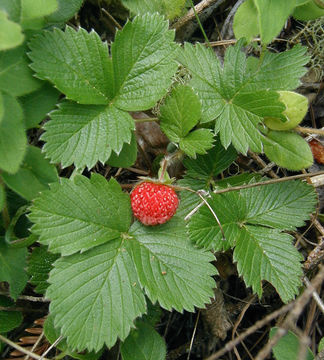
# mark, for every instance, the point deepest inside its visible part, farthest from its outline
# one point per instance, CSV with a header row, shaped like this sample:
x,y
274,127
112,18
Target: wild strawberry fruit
x,y
317,150
153,203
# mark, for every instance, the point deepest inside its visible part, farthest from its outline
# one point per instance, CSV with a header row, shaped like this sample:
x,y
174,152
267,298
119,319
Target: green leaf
x,y
288,150
143,75
10,33
9,320
208,166
39,266
95,296
226,97
52,334
12,264
2,197
308,11
197,142
241,27
321,345
1,107
127,155
76,62
84,134
65,11
144,343
12,135
252,220
237,180
287,348
38,104
171,270
180,113
79,214
16,78
170,8
267,254
270,10
33,176
23,11
278,71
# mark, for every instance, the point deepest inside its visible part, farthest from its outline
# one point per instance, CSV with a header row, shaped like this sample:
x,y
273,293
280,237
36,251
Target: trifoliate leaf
x,y
170,8
12,264
208,166
39,266
287,348
16,78
9,320
288,149
38,104
86,134
143,343
143,75
10,33
197,142
52,334
247,217
127,155
180,113
267,254
76,62
270,10
79,214
278,71
171,270
95,296
241,27
225,98
12,135
33,176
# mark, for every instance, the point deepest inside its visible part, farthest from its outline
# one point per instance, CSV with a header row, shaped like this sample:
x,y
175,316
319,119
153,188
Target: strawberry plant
x,y
71,230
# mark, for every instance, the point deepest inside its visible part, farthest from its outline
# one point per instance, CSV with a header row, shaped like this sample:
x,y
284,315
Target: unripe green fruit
x,y
296,109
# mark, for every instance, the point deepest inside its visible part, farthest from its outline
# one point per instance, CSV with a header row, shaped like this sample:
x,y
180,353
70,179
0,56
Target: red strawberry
x,y
153,203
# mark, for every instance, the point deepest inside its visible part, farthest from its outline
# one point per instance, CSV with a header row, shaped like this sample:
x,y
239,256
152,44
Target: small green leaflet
x,y
11,34
171,270
288,150
39,265
84,134
12,264
95,296
13,139
65,11
143,343
179,114
253,220
33,176
240,94
79,214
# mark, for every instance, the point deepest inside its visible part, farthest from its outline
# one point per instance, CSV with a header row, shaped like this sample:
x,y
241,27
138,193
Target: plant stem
x,y
199,23
309,130
5,211
146,120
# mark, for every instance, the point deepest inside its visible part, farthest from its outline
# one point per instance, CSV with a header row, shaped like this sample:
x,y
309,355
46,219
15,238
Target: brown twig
x,y
308,130
190,14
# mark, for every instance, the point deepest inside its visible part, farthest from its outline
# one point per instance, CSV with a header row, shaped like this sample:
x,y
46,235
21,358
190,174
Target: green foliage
x,y
12,264
2,197
12,135
287,347
11,35
33,176
308,10
9,320
170,8
253,220
288,149
85,213
143,343
39,265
